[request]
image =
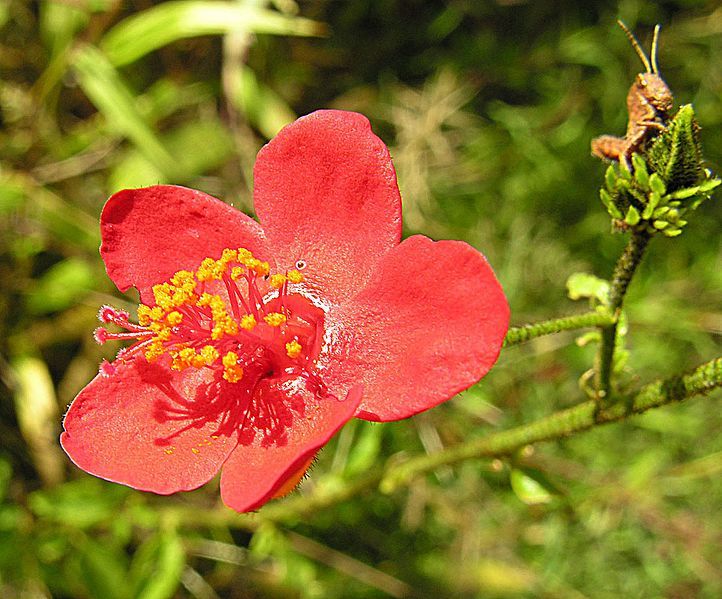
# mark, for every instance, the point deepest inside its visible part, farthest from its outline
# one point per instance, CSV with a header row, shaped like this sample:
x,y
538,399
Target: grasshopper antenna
x,y
638,48
655,45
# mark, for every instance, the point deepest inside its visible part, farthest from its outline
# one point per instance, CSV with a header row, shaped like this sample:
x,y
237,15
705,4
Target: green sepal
x,y
632,217
665,182
641,175
656,184
610,177
710,183
609,204
676,153
654,199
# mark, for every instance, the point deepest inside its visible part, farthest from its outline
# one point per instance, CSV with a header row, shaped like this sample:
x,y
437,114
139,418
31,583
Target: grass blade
x,y
106,89
153,28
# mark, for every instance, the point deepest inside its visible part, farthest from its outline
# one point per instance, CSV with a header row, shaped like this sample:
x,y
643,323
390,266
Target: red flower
x,y
257,342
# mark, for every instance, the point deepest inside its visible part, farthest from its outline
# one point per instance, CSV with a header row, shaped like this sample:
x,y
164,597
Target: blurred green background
x,y
488,108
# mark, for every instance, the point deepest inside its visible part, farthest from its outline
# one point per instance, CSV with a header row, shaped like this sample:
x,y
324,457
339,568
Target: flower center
x,y
230,314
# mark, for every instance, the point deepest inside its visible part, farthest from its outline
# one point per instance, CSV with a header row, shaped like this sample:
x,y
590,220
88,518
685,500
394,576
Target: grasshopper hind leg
x,y
610,147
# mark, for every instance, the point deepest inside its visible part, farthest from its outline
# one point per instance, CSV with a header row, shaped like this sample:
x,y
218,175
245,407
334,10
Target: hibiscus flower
x,y
256,341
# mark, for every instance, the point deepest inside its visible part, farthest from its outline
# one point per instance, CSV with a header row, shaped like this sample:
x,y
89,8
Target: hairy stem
x,y
623,273
517,335
581,417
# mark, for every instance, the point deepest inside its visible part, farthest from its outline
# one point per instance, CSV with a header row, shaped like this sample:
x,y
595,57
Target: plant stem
x,y
700,381
517,335
581,417
623,273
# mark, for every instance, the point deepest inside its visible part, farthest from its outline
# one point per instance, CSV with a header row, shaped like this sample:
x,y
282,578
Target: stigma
x,y
230,314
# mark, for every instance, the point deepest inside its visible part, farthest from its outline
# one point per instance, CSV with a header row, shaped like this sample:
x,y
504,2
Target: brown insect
x,y
649,102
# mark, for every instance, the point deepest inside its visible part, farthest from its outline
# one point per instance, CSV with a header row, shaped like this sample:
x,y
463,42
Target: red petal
x,y
428,325
150,428
266,459
151,233
326,193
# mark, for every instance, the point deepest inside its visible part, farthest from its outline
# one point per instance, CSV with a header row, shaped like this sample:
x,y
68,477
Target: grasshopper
x,y
649,102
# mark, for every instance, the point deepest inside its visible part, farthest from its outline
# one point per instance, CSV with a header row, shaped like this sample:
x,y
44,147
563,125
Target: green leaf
x,y
6,474
170,21
80,504
183,143
263,108
65,221
36,407
106,89
11,197
267,540
528,489
366,448
59,23
103,569
61,286
582,284
157,567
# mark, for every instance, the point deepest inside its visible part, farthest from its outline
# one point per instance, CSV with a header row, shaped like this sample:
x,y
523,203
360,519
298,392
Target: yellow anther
x,y
250,263
209,354
277,281
230,359
187,353
154,350
262,268
237,272
161,294
293,349
224,326
295,276
183,298
156,313
183,279
174,318
218,306
163,335
183,358
232,372
248,322
243,254
274,319
143,315
229,255
211,270
205,300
